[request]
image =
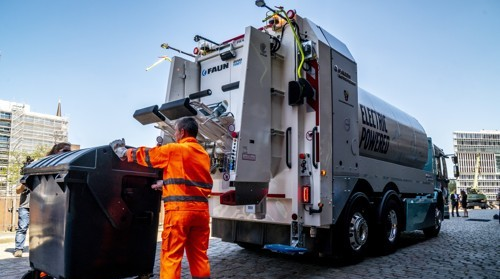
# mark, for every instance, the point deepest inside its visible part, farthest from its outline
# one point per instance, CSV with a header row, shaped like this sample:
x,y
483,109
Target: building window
x,y
497,160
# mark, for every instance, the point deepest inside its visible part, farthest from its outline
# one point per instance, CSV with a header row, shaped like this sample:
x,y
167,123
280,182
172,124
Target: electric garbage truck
x,y
303,160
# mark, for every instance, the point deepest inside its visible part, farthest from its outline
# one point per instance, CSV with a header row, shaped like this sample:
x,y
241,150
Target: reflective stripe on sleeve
x,y
185,199
186,182
134,155
148,161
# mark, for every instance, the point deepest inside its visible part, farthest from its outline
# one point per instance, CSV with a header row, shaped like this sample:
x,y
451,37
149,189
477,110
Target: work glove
x,y
119,148
158,185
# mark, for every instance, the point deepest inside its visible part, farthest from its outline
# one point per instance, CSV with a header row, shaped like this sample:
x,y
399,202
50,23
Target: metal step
x,y
285,249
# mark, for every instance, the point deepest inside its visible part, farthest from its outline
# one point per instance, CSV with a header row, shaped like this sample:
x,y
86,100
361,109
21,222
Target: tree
x,y
17,160
452,186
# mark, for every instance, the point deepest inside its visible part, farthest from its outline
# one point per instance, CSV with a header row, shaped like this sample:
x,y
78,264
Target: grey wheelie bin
x,y
92,216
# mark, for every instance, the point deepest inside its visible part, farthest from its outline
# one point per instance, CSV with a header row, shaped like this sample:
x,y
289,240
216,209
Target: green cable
x,y
297,40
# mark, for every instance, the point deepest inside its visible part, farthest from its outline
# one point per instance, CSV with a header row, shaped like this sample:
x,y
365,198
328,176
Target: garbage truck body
x,y
303,160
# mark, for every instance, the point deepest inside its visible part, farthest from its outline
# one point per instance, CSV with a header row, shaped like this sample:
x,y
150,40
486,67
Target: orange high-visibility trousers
x,y
187,230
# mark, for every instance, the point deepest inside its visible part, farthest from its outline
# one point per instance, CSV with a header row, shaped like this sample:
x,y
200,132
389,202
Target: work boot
x,y
18,253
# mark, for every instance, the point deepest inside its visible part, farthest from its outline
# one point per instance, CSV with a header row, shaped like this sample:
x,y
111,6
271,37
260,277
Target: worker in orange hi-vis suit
x,y
186,186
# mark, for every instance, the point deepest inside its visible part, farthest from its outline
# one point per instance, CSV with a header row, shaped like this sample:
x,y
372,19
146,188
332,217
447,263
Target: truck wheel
x,y
434,230
354,228
388,228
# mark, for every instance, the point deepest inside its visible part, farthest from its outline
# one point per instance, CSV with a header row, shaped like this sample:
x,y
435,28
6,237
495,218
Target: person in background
x,y
454,204
23,211
23,214
186,185
59,148
463,197
498,201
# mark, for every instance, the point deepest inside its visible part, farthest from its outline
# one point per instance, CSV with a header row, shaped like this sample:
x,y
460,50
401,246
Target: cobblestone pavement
x,y
465,248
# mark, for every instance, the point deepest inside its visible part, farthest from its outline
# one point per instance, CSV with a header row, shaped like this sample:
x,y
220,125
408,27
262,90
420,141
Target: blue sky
x,y
437,60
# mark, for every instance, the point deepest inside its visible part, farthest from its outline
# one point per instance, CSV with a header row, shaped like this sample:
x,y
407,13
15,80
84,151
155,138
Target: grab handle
x,y
288,139
315,149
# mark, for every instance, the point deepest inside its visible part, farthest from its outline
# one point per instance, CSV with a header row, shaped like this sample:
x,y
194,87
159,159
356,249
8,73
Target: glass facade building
x,y
478,154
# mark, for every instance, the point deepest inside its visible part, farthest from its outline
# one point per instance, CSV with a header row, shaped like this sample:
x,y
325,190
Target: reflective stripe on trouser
x,y
185,230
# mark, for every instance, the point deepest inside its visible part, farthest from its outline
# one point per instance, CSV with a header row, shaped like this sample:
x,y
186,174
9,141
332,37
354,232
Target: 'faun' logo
x,y
214,69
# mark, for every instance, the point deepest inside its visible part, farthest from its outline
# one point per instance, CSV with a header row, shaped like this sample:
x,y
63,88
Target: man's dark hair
x,y
28,161
189,125
66,146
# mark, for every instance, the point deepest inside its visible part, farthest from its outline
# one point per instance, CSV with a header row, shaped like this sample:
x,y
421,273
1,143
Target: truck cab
x,y
436,164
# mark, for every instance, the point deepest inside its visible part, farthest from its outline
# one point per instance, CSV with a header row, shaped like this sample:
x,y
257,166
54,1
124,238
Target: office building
x,y
478,156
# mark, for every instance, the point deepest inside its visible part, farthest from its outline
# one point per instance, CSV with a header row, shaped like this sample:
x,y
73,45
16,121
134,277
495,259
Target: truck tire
x,y
388,228
434,230
353,230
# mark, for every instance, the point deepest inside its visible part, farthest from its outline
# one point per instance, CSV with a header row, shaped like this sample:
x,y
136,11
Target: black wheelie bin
x,y
92,216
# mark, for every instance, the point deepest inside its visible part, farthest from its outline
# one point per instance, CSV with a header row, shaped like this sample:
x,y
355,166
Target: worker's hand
x,y
119,148
20,188
158,185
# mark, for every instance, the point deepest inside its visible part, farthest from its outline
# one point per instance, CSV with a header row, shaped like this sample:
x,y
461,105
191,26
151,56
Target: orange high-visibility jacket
x,y
186,172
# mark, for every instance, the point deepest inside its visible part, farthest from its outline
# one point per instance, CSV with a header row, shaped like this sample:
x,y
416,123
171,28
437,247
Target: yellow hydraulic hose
x,y
295,35
162,58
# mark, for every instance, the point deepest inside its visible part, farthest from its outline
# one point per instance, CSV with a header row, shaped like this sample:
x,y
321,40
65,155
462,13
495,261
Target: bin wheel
x,y
29,275
36,274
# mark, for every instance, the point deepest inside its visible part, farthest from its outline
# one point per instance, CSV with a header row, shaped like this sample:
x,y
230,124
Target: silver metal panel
x,y
345,115
254,140
408,180
183,79
326,134
277,211
331,40
389,134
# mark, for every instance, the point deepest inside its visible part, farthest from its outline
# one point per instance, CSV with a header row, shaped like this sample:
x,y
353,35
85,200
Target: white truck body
x,y
301,174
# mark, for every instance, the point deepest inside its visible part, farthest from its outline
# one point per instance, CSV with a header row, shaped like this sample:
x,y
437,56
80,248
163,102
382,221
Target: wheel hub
x,y
358,231
392,230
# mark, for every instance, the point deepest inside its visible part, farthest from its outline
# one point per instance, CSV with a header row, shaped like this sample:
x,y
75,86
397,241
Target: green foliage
x,y
18,159
452,186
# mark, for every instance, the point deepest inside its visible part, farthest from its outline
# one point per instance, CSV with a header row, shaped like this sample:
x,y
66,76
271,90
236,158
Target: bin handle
x,y
60,179
60,176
